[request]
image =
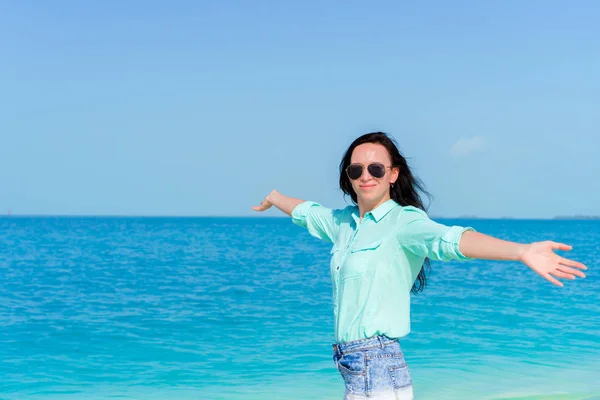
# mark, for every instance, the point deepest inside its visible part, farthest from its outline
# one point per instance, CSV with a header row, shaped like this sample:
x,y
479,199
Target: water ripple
x,y
235,308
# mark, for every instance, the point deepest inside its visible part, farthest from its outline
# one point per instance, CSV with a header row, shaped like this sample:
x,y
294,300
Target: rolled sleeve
x,y
450,242
426,238
318,220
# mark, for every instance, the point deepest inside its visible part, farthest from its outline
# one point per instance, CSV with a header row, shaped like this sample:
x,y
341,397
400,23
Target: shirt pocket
x,y
334,254
360,258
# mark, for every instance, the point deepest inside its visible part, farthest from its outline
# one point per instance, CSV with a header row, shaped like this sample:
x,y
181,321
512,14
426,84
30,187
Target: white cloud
x,y
468,145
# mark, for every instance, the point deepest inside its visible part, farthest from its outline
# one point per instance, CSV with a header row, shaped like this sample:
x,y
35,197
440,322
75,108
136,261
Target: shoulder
x,y
407,214
411,222
345,213
309,206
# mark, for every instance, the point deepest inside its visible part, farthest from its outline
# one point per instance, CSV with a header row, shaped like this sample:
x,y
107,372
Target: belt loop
x,y
380,341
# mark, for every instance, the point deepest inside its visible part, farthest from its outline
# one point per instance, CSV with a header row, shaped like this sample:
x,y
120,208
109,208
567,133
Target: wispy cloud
x,y
468,145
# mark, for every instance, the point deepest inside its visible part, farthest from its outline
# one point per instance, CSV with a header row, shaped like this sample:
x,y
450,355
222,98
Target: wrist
x,y
272,196
522,249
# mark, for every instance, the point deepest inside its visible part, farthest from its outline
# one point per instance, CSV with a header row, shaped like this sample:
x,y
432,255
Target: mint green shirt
x,y
374,262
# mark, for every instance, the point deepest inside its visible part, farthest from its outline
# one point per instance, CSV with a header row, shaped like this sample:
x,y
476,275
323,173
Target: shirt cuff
x,y
451,240
300,212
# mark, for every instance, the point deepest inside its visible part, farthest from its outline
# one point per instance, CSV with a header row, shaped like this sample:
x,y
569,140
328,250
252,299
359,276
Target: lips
x,y
367,186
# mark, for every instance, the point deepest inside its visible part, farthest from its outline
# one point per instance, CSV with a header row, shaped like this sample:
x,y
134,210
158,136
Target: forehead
x,y
369,152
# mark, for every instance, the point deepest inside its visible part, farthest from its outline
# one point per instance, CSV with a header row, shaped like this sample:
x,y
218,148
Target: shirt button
x,y
338,267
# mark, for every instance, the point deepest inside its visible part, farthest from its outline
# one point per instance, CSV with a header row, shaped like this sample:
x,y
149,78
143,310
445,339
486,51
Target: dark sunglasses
x,y
376,170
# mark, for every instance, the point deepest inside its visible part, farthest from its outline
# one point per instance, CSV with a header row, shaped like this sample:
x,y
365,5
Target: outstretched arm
x,y
320,221
284,203
538,256
426,238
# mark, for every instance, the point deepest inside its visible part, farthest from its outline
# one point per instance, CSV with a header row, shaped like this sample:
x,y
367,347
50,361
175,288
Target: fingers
x,y
560,246
553,280
566,268
560,274
571,263
571,271
264,205
563,272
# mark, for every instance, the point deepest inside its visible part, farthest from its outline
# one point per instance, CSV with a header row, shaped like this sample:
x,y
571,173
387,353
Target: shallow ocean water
x,y
240,308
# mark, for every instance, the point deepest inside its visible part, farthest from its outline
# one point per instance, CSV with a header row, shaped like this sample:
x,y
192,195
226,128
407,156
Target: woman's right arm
x,y
282,202
320,221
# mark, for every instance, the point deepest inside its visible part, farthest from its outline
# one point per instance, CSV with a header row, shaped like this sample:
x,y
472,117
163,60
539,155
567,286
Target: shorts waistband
x,y
363,344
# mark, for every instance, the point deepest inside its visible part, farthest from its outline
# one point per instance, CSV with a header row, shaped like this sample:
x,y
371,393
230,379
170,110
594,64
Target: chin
x,y
370,197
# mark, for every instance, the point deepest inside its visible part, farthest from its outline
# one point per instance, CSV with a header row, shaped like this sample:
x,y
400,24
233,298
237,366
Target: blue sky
x,y
201,108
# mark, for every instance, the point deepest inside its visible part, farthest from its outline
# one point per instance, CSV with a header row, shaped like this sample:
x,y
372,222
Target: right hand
x,y
264,205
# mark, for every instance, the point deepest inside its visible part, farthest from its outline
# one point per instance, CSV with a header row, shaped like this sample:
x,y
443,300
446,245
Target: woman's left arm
x,y
539,256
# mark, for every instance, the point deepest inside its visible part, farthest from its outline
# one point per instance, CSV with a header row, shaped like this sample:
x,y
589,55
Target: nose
x,y
365,176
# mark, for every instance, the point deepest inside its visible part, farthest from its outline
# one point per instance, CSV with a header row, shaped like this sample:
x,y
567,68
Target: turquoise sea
x,y
240,308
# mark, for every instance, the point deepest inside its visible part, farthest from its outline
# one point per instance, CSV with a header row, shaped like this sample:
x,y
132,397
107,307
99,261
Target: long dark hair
x,y
405,190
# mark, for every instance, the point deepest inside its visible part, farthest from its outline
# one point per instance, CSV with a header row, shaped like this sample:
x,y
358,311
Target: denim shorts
x,y
373,369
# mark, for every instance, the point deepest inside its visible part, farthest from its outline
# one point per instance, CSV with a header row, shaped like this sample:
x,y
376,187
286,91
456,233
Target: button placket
x,y
358,225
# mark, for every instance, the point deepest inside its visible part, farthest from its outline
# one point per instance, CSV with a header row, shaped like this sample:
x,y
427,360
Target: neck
x,y
364,207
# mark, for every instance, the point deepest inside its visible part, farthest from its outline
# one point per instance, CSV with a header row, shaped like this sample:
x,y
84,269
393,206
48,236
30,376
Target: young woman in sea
x,y
381,246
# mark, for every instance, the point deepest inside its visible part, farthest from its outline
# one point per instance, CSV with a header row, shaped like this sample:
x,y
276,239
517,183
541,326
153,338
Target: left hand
x,y
541,258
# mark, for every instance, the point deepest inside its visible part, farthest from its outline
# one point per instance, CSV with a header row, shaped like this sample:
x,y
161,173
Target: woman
x,y
380,248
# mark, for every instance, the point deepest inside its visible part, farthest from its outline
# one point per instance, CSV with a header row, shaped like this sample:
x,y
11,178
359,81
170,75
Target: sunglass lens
x,y
354,171
376,170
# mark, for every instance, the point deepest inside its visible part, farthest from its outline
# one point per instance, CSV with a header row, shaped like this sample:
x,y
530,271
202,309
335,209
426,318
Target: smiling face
x,y
371,191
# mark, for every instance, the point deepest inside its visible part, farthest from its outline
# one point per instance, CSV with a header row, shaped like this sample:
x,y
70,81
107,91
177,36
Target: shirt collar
x,y
378,213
